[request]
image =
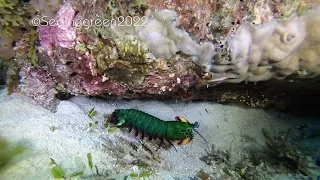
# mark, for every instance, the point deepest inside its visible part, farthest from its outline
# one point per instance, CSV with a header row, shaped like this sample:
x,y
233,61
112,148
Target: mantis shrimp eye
x,y
196,124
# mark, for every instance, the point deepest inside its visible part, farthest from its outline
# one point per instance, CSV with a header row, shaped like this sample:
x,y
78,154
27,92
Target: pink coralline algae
x,y
95,86
67,66
39,86
60,32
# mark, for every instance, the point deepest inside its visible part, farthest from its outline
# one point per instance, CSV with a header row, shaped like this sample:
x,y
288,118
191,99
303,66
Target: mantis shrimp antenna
x,y
196,125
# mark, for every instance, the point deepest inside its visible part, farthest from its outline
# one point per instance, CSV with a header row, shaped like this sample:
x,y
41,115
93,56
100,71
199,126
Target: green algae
x,y
56,170
116,8
26,52
131,49
13,16
123,61
81,47
92,113
8,151
134,175
90,163
114,14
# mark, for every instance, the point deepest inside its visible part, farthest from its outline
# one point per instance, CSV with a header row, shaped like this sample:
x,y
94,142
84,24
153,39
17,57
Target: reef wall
x,y
257,53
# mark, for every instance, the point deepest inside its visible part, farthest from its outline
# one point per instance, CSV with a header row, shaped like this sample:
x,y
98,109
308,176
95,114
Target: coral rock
x,y
39,86
181,49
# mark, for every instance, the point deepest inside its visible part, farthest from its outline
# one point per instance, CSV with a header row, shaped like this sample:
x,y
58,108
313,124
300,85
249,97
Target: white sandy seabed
x,y
222,125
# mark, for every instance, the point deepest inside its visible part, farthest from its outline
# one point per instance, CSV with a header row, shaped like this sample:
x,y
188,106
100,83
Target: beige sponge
x,y
277,49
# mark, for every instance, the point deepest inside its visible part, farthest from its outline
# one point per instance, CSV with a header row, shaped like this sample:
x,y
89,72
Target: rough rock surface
x,y
38,85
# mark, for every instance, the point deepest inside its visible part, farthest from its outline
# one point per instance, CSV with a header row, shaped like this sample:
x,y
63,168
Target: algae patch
x,y
8,151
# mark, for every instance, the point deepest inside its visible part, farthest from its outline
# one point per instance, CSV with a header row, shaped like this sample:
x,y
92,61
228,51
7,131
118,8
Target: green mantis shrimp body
x,y
154,127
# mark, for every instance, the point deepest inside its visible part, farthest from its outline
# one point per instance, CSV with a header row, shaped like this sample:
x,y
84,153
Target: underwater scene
x,y
160,90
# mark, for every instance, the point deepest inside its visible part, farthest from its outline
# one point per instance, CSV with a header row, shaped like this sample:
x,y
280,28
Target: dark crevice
x,y
68,63
73,74
63,96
